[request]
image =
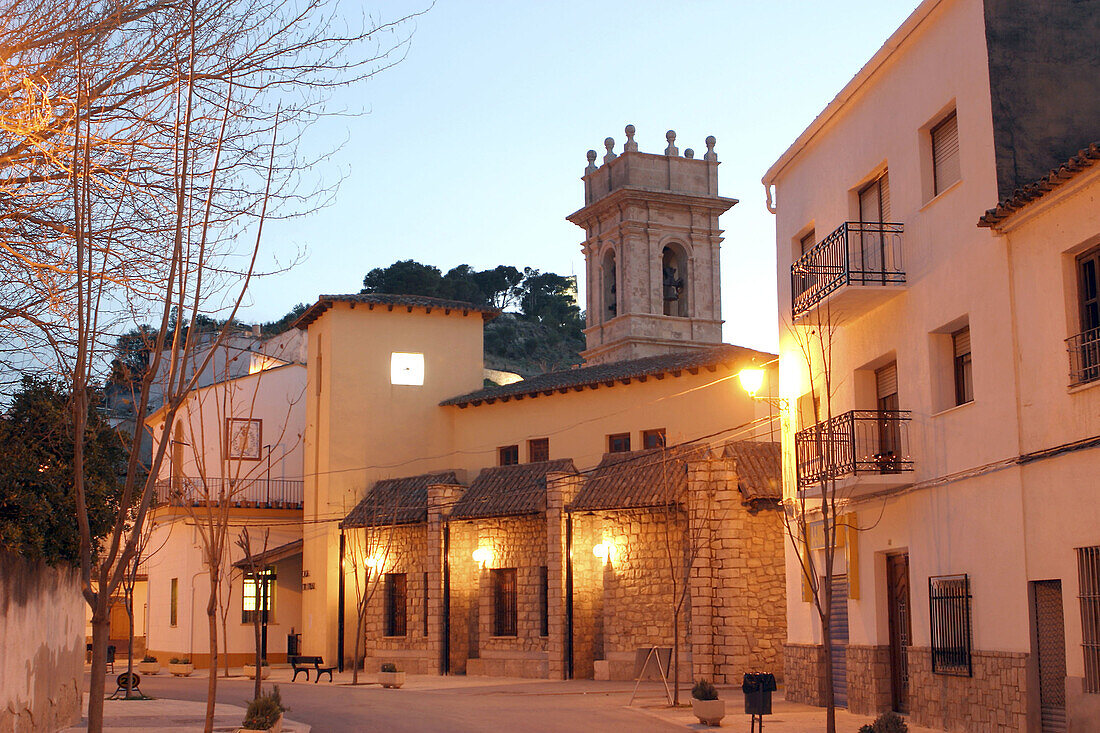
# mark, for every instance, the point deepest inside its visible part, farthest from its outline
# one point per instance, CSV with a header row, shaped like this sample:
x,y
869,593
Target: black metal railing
x,y
260,492
857,253
1084,357
949,616
859,441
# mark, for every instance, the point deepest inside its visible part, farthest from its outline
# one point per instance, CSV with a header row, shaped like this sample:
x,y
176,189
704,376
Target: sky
x,y
470,151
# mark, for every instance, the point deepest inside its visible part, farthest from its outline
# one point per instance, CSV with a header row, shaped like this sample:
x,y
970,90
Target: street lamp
x,y
752,379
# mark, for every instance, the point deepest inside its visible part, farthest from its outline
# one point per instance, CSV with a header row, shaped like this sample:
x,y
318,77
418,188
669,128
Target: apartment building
x,y
955,405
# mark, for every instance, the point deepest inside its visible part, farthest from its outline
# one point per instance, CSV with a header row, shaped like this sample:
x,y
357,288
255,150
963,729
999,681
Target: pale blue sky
x,y
473,147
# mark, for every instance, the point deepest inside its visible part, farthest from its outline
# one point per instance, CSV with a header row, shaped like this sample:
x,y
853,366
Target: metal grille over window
x,y
1088,574
1084,347
396,600
504,601
509,455
964,379
258,596
945,153
538,450
949,613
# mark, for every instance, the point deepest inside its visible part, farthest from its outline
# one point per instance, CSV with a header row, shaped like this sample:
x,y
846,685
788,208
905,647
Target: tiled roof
x,y
759,476
645,478
373,300
1085,159
689,360
275,554
508,491
397,501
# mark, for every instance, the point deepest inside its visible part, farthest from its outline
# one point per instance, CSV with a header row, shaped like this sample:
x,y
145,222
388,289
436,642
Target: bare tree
x,y
244,541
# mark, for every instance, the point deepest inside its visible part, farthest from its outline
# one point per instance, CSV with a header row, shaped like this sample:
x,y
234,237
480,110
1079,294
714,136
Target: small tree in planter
x,y
706,705
265,712
149,665
390,676
250,671
180,667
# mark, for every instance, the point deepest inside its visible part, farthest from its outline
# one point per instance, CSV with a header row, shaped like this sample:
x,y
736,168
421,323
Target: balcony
x,y
864,451
251,492
853,269
1084,357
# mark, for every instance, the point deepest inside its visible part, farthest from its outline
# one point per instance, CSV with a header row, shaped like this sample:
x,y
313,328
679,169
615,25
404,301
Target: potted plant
x,y
250,671
888,462
265,713
390,676
706,705
148,665
180,667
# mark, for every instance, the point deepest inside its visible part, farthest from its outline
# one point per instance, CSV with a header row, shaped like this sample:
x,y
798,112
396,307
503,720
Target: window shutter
x,y
886,380
884,195
945,153
962,342
869,203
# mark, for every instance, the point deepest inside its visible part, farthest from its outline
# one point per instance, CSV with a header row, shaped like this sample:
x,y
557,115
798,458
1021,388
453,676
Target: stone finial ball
x,y
711,141
670,136
609,143
591,156
629,130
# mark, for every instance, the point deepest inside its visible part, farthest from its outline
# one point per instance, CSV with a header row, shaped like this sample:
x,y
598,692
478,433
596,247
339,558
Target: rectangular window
x,y
509,455
949,613
544,601
1088,576
395,598
945,153
504,601
1084,348
258,595
806,242
653,438
964,380
173,608
425,607
538,450
618,443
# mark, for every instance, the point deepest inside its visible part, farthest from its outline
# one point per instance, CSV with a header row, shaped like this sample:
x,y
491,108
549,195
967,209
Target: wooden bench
x,y
304,664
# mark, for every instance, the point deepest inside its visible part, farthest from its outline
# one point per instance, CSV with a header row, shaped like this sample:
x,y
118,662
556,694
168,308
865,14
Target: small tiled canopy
x,y
397,501
759,477
646,478
509,491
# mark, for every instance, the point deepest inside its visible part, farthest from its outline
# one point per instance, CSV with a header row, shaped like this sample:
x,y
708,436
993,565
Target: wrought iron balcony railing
x,y
1084,357
856,442
857,253
259,492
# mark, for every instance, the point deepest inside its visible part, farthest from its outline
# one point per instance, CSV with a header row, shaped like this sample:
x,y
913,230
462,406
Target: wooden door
x,y
901,630
838,649
1050,647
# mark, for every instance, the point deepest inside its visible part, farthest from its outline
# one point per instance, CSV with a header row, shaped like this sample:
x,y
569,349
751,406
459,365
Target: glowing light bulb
x,y
751,380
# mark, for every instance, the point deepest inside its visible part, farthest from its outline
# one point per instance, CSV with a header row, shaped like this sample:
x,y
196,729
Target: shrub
x,y
264,711
890,722
704,690
389,667
185,660
866,728
148,658
174,660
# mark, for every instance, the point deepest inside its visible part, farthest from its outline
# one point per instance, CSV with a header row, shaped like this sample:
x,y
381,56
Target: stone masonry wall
x,y
868,670
804,673
994,700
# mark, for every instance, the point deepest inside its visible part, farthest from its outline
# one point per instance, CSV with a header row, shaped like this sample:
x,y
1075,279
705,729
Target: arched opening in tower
x,y
673,281
610,298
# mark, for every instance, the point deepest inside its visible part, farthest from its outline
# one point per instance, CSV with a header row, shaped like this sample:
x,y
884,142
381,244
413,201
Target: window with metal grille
x,y
395,600
1088,578
424,608
964,379
653,438
503,582
173,609
509,455
1084,347
945,153
544,601
538,450
258,596
949,614
618,443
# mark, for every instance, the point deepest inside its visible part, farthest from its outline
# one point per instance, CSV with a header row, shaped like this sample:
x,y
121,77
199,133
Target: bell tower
x,y
651,251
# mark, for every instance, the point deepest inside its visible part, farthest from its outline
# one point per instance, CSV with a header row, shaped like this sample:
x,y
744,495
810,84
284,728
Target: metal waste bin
x,y
758,688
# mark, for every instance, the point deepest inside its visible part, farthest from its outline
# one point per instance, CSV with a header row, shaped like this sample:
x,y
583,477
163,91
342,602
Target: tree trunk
x,y
676,657
101,627
257,689
360,644
212,623
130,645
827,641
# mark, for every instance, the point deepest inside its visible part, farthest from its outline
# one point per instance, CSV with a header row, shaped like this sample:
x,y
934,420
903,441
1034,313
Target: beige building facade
x,y
961,438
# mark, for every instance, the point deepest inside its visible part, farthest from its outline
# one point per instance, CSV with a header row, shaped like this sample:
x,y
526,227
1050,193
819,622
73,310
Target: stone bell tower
x,y
651,251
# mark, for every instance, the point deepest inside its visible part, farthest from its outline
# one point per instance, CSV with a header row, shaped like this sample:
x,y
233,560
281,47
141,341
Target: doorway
x,y
901,630
1050,650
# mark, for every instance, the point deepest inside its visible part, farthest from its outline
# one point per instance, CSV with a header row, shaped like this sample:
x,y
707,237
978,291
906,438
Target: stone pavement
x,y
162,714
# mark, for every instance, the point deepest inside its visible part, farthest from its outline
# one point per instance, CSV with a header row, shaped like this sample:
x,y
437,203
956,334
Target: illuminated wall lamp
x,y
751,380
374,562
483,556
603,551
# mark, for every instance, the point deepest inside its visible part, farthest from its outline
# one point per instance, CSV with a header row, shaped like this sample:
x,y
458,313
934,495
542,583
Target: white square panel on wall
x,y
406,368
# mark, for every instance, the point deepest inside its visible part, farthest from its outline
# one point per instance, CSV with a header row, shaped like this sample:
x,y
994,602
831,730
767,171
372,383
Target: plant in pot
x,y
706,705
250,670
148,665
390,676
265,713
180,666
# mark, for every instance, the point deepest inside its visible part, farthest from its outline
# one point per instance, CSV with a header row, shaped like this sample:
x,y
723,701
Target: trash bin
x,y
758,688
293,644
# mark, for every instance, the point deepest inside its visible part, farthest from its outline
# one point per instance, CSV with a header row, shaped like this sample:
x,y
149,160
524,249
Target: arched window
x,y
610,299
674,280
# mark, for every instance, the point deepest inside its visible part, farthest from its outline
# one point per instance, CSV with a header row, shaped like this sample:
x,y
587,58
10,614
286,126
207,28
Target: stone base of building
x,y
621,665
869,676
804,673
413,661
517,664
993,700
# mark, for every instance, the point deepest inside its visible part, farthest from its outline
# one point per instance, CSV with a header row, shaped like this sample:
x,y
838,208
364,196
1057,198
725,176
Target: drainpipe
x,y
340,601
569,595
445,665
